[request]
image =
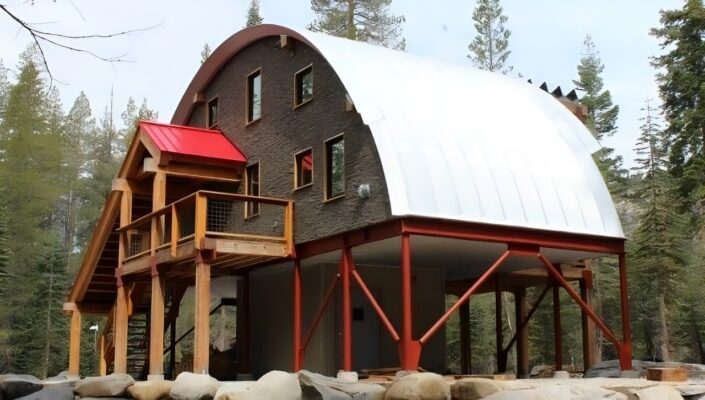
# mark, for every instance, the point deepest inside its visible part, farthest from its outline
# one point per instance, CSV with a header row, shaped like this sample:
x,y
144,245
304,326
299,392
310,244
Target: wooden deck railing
x,y
209,214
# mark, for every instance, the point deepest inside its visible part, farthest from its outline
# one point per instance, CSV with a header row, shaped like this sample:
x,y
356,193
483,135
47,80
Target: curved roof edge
x,y
483,147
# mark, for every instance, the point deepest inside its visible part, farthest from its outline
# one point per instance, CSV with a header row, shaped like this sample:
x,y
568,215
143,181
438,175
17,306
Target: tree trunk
x,y
351,29
663,336
47,337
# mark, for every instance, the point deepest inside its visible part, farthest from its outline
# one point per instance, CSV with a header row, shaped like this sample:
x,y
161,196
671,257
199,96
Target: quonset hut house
x,y
349,188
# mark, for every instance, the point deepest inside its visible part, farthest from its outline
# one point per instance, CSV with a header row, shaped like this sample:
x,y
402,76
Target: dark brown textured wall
x,y
283,130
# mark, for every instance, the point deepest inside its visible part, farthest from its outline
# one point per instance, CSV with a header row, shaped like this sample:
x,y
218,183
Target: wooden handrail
x,y
209,195
200,201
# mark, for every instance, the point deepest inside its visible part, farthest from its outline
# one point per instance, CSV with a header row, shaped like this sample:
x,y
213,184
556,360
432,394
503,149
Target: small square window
x,y
303,172
212,113
335,168
254,96
252,189
304,86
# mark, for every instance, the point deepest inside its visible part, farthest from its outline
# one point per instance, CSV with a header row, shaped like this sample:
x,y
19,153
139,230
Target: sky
x,y
546,43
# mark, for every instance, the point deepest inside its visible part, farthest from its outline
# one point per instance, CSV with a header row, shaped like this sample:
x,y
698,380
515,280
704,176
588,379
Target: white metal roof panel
x,y
462,144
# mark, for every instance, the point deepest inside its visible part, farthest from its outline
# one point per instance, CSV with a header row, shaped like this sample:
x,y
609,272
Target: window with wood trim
x,y
335,167
304,86
252,189
303,170
254,96
212,113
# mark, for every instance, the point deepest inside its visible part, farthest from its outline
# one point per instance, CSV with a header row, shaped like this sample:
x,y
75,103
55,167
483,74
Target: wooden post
x,y
120,334
120,319
588,326
557,330
75,343
465,352
156,323
523,334
102,365
501,358
201,338
156,329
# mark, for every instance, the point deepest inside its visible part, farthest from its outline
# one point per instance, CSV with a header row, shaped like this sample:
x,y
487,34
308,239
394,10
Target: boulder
x,y
13,386
659,392
150,390
611,369
275,385
54,391
558,392
61,378
190,386
475,388
561,375
51,392
113,385
419,386
319,387
233,390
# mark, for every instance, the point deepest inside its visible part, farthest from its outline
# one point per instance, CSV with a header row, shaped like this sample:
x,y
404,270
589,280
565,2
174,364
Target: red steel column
x,y
409,350
557,330
345,264
298,348
625,349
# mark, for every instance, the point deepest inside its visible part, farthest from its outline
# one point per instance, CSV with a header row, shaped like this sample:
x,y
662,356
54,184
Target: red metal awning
x,y
192,142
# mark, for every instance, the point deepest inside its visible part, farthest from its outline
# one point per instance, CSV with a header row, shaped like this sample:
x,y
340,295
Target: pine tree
x,y
4,90
253,17
364,20
489,50
681,77
602,115
79,132
130,118
660,246
205,53
30,175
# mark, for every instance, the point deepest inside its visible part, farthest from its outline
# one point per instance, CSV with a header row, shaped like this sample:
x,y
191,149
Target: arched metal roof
x,y
458,143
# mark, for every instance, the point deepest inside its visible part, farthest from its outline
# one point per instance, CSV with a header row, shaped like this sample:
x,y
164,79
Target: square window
x,y
254,96
304,86
212,113
252,189
303,172
335,168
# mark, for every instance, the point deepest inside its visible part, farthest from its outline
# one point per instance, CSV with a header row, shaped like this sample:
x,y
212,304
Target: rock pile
x,y
305,385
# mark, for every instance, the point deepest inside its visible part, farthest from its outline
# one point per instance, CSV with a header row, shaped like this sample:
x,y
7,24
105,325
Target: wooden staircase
x,y
138,345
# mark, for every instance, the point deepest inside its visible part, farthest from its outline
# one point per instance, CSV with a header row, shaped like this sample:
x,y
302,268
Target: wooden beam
x,y
75,343
100,352
156,324
95,246
156,330
244,246
120,331
201,334
210,173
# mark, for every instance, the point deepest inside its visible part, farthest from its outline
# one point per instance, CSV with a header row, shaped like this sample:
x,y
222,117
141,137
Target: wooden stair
x,y
138,345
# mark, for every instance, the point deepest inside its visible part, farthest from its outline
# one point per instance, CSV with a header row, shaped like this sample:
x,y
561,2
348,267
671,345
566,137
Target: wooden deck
x,y
211,221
